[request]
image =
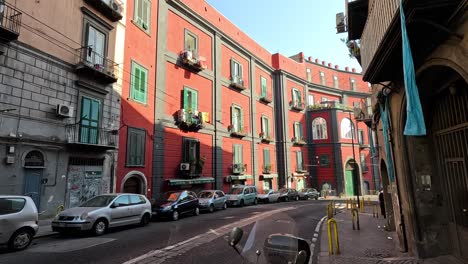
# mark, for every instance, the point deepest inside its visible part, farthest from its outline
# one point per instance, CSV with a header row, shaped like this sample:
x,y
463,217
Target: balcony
x,y
82,135
265,138
298,141
237,83
192,61
239,168
296,105
95,66
10,22
267,169
191,121
301,169
238,132
112,9
266,99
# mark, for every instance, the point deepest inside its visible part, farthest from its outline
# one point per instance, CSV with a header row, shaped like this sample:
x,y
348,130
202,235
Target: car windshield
x,y
237,190
172,196
205,195
99,201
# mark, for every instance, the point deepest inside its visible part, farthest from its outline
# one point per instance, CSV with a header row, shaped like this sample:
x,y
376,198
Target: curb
x,y
315,238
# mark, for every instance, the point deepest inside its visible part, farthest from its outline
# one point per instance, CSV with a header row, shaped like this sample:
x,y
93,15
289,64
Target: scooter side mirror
x,y
235,236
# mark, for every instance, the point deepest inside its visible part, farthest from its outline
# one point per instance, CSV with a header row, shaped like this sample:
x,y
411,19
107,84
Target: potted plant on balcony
x,y
267,169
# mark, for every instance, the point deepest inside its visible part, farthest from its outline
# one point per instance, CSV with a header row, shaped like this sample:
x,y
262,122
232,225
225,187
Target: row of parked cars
x,y
19,216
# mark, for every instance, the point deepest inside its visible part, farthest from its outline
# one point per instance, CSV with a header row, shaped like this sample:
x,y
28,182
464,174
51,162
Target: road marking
x,y
228,217
61,246
200,239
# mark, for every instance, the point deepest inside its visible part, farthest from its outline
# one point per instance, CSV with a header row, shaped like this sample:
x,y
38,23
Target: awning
x,y
201,180
269,176
238,177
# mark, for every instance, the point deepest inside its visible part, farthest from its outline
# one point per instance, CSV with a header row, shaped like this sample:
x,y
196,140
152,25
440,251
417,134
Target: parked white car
x,y
18,221
103,212
269,196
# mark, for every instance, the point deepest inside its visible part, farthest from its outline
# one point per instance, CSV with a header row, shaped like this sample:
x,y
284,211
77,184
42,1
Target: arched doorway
x,y
351,178
34,164
134,182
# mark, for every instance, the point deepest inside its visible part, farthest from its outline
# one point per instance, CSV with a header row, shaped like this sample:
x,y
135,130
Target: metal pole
x,y
356,187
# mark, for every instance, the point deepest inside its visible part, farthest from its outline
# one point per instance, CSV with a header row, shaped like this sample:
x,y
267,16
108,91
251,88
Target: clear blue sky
x,y
291,26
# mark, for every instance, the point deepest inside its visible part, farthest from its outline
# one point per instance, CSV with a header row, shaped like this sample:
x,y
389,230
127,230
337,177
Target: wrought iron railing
x,y
94,60
381,14
91,135
10,18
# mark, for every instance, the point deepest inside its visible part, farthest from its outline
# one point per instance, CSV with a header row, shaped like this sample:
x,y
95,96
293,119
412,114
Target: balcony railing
x,y
91,136
298,141
237,131
112,9
267,169
191,60
296,105
238,83
191,121
266,99
301,168
381,14
96,66
266,138
330,105
10,22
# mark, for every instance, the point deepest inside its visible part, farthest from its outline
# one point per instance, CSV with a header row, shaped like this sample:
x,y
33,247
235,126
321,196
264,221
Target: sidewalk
x,y
370,245
45,228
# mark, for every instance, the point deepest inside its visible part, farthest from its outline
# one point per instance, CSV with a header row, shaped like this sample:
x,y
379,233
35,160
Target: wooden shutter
x,y
143,85
185,103
194,101
135,82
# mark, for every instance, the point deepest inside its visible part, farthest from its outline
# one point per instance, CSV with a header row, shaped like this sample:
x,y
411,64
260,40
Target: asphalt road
x,y
192,239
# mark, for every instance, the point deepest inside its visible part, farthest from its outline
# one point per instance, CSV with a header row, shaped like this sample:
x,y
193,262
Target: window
x,y
191,151
335,82
142,14
297,97
139,85
298,130
299,163
266,159
324,160
266,126
135,199
323,81
236,72
319,128
136,141
237,119
347,128
90,119
361,136
263,82
363,162
191,42
237,154
96,43
310,99
190,100
123,200
266,185
352,84
11,205
309,75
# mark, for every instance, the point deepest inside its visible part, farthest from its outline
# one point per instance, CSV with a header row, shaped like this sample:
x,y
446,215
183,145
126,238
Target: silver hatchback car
x,y
18,221
103,212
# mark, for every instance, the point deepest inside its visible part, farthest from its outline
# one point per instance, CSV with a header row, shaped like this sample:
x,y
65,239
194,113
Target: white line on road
x,y
214,232
312,245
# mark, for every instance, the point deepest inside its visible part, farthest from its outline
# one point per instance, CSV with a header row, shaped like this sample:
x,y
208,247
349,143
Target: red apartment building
x,y
225,111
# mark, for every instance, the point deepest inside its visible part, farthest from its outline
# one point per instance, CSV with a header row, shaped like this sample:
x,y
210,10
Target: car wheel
x,y
225,206
211,209
100,227
241,203
145,219
255,201
196,211
175,215
20,240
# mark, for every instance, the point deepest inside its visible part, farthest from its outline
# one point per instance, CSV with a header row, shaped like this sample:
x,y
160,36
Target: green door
x,y
349,183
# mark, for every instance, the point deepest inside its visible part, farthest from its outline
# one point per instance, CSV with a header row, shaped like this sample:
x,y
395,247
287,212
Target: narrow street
x,y
199,239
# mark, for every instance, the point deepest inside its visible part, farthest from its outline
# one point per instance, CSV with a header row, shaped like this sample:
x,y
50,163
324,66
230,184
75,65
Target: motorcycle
x,y
272,240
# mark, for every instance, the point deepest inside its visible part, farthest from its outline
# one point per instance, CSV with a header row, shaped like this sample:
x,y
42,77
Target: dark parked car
x,y
175,204
288,194
309,193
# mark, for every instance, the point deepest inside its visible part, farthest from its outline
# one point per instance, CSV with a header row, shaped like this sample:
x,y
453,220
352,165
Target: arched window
x,y
319,128
347,128
34,159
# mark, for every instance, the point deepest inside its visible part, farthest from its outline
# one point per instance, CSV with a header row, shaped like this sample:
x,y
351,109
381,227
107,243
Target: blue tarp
x,y
415,125
385,124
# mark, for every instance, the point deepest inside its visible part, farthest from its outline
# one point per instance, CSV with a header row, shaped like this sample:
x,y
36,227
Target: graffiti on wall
x,y
84,182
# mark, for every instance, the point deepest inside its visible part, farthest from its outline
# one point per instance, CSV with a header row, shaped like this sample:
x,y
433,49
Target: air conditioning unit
x,y
237,168
184,166
65,110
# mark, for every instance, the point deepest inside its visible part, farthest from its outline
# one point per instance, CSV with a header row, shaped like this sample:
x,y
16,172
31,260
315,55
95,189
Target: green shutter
x,y
194,101
232,69
185,99
266,157
143,85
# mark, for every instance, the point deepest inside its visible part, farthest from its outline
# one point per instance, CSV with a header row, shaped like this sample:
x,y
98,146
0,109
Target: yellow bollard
x,y
355,214
361,206
330,239
375,211
329,211
368,201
